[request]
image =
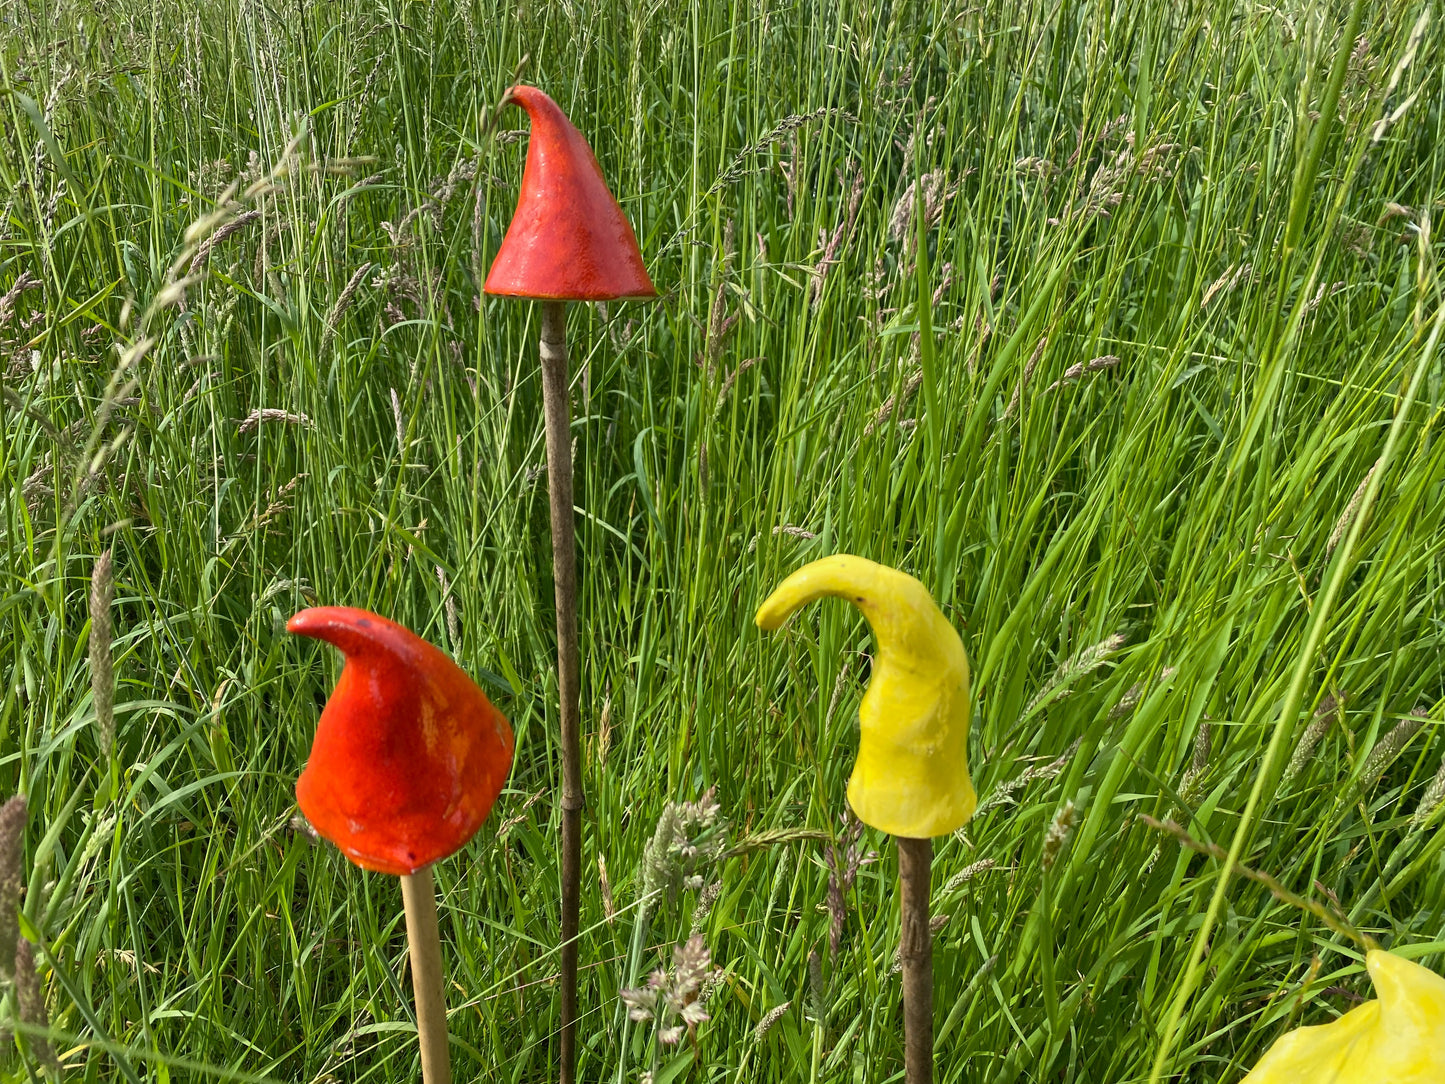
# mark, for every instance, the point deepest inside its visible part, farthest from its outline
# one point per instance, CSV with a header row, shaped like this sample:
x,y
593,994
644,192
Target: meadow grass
x,y
1153,409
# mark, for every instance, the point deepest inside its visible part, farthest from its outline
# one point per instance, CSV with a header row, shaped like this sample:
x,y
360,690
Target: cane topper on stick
x,y
911,777
409,756
1398,1038
568,241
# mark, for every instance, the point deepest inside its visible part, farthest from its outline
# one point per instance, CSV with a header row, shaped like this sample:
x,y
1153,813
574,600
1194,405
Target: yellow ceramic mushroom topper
x,y
1397,1039
911,777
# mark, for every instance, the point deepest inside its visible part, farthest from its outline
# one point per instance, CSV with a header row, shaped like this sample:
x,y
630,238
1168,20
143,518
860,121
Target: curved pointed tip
x,y
319,621
1391,975
1403,983
841,575
537,103
569,239
300,623
893,601
357,632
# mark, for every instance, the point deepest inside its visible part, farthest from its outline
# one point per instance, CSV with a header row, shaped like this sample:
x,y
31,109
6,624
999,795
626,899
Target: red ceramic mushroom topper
x,y
569,240
409,754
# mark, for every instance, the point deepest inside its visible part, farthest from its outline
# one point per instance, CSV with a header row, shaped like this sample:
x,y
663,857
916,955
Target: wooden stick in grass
x,y
911,778
419,901
558,425
915,950
568,241
408,758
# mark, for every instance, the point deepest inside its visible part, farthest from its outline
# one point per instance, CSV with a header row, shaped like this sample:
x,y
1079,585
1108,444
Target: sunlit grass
x,y
1164,370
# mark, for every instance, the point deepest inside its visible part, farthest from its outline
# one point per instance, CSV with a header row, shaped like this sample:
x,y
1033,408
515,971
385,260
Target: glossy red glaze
x,y
569,240
409,754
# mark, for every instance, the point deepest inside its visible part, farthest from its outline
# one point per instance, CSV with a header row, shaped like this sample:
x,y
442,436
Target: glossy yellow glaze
x,y
1397,1039
911,777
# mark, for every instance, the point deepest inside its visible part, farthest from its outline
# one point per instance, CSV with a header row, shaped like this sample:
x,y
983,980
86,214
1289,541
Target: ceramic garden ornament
x,y
568,241
1397,1039
911,777
408,758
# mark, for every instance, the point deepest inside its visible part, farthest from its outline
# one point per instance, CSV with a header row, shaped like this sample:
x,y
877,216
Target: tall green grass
x,y
1164,369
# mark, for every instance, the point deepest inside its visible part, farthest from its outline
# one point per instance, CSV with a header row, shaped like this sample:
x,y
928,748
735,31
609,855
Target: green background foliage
x,y
1163,369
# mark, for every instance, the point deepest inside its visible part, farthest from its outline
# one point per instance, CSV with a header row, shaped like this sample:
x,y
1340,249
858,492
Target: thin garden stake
x,y
558,413
568,241
418,898
915,950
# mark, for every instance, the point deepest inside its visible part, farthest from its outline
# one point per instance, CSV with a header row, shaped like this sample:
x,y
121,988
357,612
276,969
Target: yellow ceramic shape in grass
x,y
1397,1039
911,777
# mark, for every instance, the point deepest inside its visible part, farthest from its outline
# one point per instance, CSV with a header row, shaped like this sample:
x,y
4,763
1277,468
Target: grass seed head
x,y
1004,793
1135,693
675,999
9,300
270,414
1058,834
1431,800
936,194
771,1017
12,854
30,1003
689,841
1391,746
817,988
844,858
102,671
1330,711
348,295
835,240
400,422
1081,663
449,604
1082,368
1027,375
1199,763
1347,517
705,900
609,911
968,873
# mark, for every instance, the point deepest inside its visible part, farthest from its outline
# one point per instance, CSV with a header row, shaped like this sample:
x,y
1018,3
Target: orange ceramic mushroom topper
x,y
408,758
568,241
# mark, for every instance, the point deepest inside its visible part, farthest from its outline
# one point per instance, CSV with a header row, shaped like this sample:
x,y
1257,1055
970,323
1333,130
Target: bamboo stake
x,y
418,896
915,866
557,407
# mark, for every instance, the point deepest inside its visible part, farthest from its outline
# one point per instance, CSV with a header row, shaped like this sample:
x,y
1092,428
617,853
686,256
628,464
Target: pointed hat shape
x,y
569,240
911,777
409,754
1398,1038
